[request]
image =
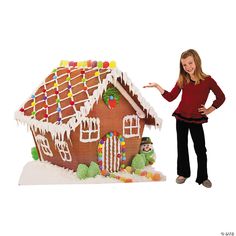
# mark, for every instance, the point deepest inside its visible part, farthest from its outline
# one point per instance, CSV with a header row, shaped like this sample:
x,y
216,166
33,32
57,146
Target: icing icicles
x,y
58,93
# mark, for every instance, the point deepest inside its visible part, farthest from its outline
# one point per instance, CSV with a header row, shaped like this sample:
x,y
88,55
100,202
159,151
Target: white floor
x,y
37,172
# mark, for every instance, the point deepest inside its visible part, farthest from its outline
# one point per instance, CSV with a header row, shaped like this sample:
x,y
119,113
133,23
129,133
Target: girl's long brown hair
x,y
184,77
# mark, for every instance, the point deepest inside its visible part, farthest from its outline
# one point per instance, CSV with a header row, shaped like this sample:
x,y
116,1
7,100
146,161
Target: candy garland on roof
x,y
89,64
23,116
76,65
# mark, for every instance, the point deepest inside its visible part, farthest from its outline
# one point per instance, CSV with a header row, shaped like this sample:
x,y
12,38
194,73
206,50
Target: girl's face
x,y
189,65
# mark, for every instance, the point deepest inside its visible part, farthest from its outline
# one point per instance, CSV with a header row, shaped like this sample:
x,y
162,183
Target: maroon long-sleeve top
x,y
193,96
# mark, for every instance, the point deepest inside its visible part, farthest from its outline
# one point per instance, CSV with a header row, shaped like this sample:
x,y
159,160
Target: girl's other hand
x,y
205,111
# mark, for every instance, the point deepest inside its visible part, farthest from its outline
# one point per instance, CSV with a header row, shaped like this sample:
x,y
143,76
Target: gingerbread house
x,y
87,111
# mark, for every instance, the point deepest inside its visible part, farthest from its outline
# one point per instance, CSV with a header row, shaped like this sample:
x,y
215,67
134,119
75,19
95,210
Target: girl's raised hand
x,y
151,85
155,85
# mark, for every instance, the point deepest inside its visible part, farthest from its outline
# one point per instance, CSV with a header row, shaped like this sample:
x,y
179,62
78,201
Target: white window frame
x,y
130,127
64,151
93,126
44,145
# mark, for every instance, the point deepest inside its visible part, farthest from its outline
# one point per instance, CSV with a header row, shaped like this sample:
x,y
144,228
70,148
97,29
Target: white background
x,y
146,39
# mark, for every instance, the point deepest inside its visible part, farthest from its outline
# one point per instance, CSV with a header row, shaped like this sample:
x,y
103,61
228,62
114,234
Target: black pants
x,y
197,134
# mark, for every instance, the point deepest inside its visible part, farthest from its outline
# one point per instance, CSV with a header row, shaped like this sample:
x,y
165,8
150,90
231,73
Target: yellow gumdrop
x,y
84,63
79,63
55,85
64,63
69,95
112,64
33,104
122,179
129,169
149,175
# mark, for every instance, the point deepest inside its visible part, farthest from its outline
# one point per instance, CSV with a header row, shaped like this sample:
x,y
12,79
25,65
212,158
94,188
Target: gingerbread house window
x,y
44,145
63,149
131,126
89,129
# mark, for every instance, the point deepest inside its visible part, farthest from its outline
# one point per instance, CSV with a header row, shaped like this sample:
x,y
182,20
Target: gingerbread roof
x,y
68,94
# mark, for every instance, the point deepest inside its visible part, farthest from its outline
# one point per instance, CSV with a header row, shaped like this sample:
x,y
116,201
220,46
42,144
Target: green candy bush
x,y
82,171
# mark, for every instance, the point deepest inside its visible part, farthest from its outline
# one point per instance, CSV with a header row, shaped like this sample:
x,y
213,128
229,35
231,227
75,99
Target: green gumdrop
x,y
34,153
82,171
93,169
99,64
138,161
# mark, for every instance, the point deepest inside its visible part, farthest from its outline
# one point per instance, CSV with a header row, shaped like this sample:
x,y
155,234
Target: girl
x,y
192,113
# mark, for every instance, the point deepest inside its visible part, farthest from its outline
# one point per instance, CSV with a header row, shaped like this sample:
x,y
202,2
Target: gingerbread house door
x,y
111,152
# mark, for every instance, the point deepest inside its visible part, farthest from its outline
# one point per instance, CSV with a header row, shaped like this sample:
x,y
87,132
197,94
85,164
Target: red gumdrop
x,y
128,180
105,64
143,173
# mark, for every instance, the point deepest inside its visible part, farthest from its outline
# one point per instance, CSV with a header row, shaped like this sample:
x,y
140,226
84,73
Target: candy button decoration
x,y
97,73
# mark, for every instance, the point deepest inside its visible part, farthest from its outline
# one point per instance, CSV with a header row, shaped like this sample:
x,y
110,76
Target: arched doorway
x,y
111,152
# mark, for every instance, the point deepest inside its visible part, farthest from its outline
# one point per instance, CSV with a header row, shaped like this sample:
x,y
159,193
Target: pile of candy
x,y
154,176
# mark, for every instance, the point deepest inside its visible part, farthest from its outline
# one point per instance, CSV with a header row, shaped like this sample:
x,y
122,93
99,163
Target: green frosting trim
x,y
34,153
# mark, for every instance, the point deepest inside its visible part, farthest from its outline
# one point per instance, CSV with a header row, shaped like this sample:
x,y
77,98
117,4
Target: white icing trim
x,y
93,126
139,112
56,131
103,157
130,119
59,130
43,145
107,155
115,153
64,151
111,152
118,159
